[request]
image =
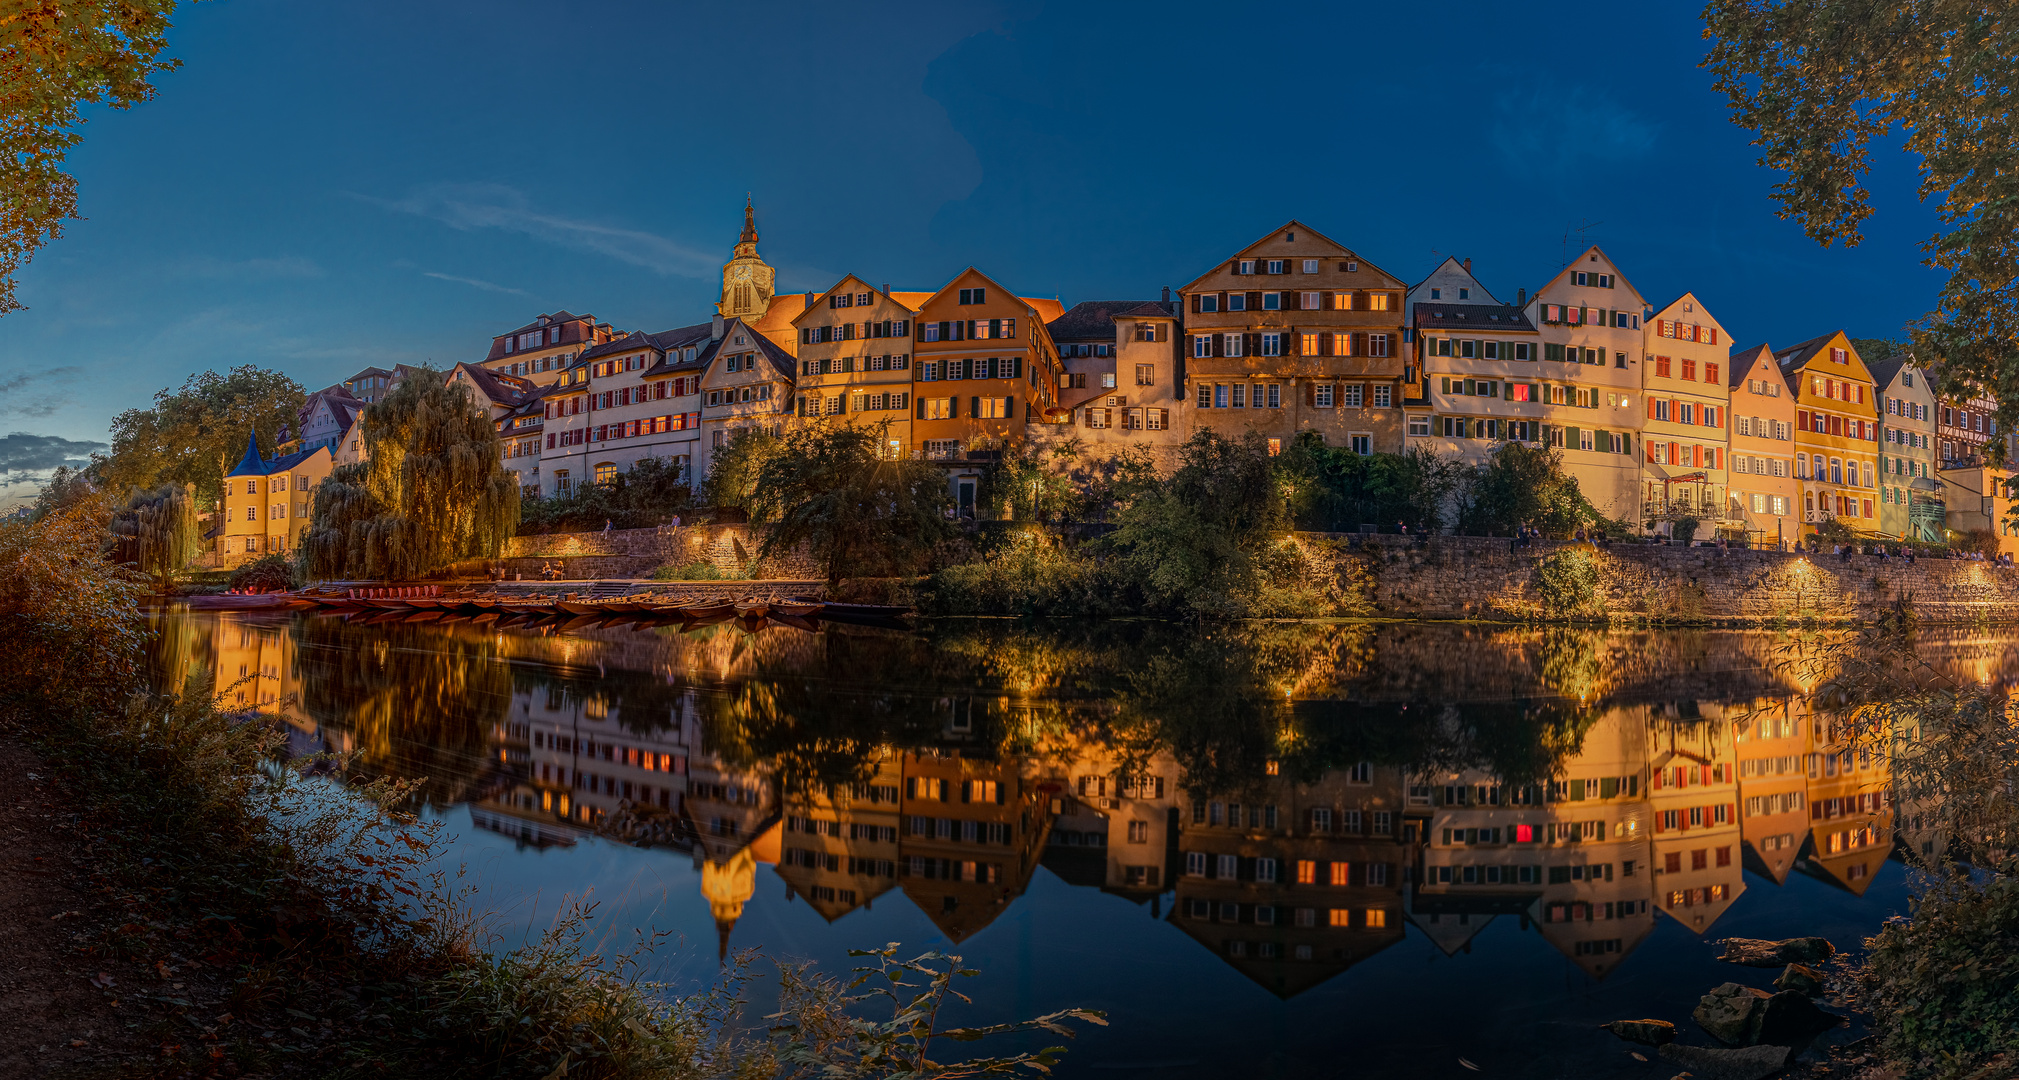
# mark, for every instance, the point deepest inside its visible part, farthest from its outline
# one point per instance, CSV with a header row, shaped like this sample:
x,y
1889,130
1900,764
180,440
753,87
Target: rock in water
x,y
1800,977
1645,1032
1706,1063
1791,1019
1755,953
1732,1013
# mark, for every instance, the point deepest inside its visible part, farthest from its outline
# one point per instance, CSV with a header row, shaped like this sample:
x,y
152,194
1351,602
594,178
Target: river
x,y
1277,849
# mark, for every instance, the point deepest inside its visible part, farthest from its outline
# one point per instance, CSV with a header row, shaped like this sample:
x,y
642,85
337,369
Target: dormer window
x,y
1465,294
974,296
739,339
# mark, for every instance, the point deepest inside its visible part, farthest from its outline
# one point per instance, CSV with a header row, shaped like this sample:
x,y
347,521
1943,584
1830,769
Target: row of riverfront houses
x,y
1656,413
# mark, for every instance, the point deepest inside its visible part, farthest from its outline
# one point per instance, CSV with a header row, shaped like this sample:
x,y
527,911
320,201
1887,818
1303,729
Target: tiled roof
x,y
1884,371
680,367
501,387
564,315
1432,314
1796,355
1094,320
1743,361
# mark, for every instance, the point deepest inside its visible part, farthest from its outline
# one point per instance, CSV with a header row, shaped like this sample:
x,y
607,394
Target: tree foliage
x,y
1819,81
56,58
193,434
1033,483
829,488
432,490
156,531
647,496
734,467
1333,489
1208,540
1524,485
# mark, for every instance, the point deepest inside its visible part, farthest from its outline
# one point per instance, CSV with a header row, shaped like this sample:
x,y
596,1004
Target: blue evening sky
x,y
326,186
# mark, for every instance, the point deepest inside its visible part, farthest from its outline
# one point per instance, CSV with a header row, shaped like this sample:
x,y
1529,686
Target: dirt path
x,y
57,1022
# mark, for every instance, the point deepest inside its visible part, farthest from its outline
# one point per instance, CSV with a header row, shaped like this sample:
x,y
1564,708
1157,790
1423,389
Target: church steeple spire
x,y
747,282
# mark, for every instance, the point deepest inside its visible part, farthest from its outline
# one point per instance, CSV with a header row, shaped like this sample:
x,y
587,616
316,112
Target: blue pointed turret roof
x,y
251,464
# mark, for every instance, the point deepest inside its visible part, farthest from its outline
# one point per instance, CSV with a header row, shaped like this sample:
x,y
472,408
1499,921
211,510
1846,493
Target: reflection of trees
x,y
420,702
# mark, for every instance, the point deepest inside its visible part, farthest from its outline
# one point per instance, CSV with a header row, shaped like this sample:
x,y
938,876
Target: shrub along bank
x,y
309,928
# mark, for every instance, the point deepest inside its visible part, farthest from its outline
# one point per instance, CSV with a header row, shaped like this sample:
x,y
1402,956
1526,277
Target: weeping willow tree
x,y
432,490
156,531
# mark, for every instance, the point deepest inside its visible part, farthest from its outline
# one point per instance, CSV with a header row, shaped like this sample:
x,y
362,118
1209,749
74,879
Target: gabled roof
x,y
1438,315
1452,261
820,299
1584,257
759,343
630,342
1045,310
1094,320
501,388
1745,360
669,366
1885,371
1293,223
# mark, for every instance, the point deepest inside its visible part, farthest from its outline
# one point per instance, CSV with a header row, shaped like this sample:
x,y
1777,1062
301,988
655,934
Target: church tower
x,y
747,281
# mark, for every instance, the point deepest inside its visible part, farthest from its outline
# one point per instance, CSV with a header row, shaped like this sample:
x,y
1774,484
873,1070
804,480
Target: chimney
x,y
886,288
1521,297
715,333
1468,265
1167,294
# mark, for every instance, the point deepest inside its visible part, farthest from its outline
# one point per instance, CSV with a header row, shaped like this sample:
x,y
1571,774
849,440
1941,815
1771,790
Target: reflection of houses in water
x,y
1772,747
969,834
568,765
1693,803
1293,883
1568,854
1112,829
839,848
1850,812
256,669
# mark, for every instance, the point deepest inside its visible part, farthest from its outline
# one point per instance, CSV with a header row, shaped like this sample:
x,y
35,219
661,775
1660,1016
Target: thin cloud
x,y
13,388
287,266
472,207
474,283
22,453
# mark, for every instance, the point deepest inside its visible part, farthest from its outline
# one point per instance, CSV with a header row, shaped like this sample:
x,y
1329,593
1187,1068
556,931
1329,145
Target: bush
x,y
649,495
1566,581
272,573
1943,986
1031,573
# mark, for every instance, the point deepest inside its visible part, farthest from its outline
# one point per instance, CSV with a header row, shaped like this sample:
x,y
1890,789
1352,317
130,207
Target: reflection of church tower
x,y
726,886
746,280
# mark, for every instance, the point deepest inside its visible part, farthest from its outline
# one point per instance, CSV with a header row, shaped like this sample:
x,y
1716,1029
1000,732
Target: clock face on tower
x,y
742,273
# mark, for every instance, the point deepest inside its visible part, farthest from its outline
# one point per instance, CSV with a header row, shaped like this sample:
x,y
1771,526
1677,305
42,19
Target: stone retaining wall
x,y
1477,577
633,553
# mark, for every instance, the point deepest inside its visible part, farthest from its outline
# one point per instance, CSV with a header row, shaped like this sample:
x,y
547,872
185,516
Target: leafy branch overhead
x,y
1818,81
55,58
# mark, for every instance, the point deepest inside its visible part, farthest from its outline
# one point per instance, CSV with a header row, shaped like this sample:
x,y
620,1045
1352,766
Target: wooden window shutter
x,y
1310,394
1019,372
1195,303
1325,300
974,406
1009,407
1650,408
953,407
1360,344
1325,343
1251,344
1293,301
1254,301
1219,345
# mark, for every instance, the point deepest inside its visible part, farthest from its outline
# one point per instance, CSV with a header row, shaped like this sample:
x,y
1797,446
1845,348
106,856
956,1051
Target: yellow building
x,y
839,848
855,353
266,505
970,834
1836,432
1686,423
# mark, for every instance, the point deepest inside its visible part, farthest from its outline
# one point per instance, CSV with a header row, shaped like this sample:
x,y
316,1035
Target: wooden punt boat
x,y
262,602
580,622
422,616
484,618
581,607
753,608
797,622
700,609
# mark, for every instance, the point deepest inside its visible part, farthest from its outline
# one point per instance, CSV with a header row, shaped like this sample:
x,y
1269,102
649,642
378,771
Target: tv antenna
x,y
1580,230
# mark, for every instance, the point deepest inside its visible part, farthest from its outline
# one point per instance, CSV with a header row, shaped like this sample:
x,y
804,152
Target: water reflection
x,y
1290,797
